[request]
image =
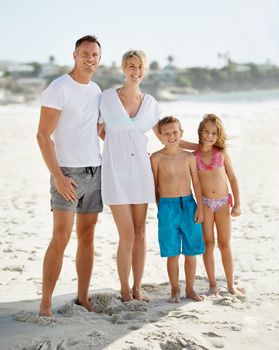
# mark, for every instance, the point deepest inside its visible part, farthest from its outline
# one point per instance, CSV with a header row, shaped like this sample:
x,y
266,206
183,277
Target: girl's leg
x,y
223,225
208,256
173,272
123,218
139,212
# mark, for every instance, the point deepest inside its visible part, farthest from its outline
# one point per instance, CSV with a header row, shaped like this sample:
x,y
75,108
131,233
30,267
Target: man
x,y
69,111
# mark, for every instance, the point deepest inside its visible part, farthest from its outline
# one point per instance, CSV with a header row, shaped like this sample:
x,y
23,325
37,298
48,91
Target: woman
x,y
127,180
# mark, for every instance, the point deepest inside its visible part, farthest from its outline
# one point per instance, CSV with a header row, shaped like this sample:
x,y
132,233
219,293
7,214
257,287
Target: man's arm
x,y
197,189
101,131
48,120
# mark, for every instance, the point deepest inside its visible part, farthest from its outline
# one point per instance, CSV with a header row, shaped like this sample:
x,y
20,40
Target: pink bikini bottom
x,y
217,203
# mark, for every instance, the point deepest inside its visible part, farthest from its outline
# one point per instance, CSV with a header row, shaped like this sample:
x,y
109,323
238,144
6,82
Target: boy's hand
x,y
236,211
198,215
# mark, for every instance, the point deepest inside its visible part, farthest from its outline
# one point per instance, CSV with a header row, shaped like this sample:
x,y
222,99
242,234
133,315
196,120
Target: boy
x,y
179,218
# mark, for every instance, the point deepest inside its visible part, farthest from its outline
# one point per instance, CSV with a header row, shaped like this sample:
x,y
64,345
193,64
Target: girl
x,y
214,168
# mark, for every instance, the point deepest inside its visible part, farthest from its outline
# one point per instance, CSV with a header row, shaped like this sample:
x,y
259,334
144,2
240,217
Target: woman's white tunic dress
x,y
126,169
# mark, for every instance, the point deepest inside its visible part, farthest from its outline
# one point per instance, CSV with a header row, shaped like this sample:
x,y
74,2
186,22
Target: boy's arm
x,y
155,169
48,121
234,185
197,189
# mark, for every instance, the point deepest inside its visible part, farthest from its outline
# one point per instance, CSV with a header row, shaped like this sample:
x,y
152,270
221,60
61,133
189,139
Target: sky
x,y
193,32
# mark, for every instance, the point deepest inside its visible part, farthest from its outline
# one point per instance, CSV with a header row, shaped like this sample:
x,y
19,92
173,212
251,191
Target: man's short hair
x,y
90,38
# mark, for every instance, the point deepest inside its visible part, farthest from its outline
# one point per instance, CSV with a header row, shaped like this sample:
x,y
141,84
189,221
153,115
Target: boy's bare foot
x,y
86,304
191,294
45,312
126,296
213,290
236,291
137,294
175,297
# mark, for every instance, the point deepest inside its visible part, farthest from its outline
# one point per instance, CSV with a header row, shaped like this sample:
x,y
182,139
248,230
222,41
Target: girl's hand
x,y
236,211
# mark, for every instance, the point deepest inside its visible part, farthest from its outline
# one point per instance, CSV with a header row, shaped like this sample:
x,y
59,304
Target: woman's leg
x,y
139,212
208,256
123,218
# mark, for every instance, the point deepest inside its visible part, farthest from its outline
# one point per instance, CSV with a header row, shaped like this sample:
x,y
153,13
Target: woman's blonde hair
x,y
221,135
133,54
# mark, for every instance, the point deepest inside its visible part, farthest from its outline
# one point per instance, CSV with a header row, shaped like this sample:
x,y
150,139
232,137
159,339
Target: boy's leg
x,y
139,212
190,275
62,227
173,272
85,256
123,218
209,241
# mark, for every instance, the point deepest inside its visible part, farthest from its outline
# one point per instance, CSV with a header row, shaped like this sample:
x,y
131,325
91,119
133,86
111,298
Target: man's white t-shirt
x,y
75,137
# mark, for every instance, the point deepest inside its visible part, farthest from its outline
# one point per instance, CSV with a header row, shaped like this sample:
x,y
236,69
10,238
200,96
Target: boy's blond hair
x,y
168,120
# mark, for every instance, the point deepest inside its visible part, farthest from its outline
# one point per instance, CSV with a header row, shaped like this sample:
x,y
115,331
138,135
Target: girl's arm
x,y
234,185
197,189
183,144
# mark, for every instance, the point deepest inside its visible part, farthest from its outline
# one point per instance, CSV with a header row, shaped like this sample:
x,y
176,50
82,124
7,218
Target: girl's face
x,y
209,134
134,71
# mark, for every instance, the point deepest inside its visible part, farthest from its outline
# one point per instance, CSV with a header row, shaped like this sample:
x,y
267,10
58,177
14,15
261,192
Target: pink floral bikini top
x,y
216,160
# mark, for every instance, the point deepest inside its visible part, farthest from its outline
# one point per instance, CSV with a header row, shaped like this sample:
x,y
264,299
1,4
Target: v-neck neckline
x,y
127,114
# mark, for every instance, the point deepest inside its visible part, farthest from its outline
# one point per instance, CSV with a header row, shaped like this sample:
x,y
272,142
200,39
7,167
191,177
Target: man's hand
x,y
65,186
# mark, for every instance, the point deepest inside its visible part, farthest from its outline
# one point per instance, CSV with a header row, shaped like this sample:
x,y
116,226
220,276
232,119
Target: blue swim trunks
x,y
178,233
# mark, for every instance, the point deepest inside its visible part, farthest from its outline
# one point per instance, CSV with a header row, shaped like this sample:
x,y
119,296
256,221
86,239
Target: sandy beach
x,y
222,321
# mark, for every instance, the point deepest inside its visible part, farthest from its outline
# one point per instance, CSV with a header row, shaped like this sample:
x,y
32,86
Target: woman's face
x,y
134,70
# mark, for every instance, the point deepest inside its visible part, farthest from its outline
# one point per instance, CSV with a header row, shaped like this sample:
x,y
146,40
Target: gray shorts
x,y
89,198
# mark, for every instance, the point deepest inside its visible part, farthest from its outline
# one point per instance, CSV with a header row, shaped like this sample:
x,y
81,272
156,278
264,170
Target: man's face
x,y
87,57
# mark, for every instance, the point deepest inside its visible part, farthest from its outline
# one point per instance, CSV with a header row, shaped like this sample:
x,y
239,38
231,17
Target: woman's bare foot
x,y
213,290
175,297
236,291
137,294
86,304
126,295
45,312
191,294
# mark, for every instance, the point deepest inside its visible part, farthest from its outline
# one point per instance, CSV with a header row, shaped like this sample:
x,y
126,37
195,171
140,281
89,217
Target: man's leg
x,y
62,228
85,256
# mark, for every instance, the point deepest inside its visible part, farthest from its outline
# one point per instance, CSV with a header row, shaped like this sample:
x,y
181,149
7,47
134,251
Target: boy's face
x,y
170,134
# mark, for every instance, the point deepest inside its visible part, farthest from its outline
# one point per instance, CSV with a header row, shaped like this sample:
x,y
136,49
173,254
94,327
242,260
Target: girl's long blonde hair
x,y
221,135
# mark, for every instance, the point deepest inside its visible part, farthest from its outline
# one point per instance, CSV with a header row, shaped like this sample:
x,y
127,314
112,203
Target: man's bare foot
x,y
86,304
126,295
175,297
191,294
213,290
137,294
236,291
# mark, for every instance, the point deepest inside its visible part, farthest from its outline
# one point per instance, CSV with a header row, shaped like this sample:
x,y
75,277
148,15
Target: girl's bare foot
x,y
175,297
191,294
137,294
126,296
236,291
213,290
86,304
